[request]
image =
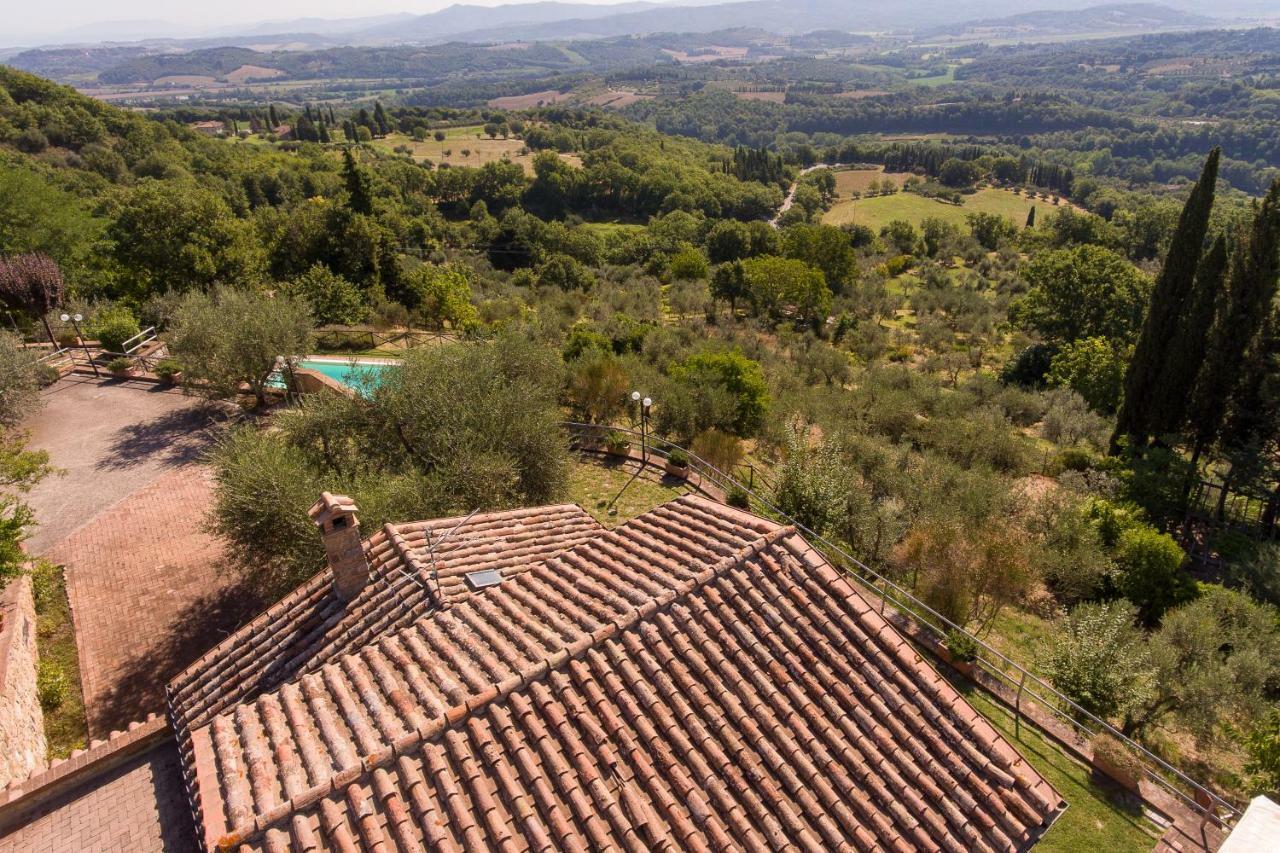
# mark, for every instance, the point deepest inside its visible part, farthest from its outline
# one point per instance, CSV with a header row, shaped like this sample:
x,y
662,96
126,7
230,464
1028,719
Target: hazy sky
x,y
21,19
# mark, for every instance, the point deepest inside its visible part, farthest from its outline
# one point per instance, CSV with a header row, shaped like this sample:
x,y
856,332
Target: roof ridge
x,y
457,714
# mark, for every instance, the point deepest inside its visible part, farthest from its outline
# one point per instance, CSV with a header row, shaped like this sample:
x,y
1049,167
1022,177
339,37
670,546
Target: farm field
x,y
529,101
880,211
457,139
772,97
851,181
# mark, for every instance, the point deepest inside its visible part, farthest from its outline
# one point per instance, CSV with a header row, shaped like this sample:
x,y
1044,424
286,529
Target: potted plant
x,y
960,650
120,366
1117,760
617,444
168,370
678,463
737,497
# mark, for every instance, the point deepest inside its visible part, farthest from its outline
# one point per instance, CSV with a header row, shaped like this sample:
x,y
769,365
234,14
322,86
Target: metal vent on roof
x,y
484,579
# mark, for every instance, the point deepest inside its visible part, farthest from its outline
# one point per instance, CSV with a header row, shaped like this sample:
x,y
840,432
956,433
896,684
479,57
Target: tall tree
x,y
1186,353
1168,297
1251,287
358,189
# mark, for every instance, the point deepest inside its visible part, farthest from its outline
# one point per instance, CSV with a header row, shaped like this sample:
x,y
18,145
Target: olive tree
x,y
1217,660
19,382
230,338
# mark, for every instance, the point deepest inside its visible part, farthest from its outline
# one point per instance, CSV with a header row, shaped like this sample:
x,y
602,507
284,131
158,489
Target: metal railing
x,y
364,337
138,341
991,661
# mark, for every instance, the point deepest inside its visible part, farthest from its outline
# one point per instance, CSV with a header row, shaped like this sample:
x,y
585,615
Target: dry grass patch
x,y
245,73
772,97
851,181
529,101
617,100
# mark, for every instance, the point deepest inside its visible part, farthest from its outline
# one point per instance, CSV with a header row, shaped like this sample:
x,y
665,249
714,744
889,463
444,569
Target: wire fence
x,y
1025,684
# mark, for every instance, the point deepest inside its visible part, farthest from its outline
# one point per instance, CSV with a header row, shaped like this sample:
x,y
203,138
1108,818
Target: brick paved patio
x,y
143,578
139,807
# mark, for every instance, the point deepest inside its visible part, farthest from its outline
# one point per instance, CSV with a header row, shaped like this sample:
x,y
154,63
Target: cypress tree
x,y
1246,302
1168,298
1186,349
360,194
1031,217
271,114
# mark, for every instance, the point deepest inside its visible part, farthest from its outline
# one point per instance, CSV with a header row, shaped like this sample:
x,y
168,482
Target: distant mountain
x,y
314,26
784,17
1116,17
448,23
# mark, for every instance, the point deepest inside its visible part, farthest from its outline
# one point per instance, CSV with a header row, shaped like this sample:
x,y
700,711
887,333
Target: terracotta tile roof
x,y
311,626
696,679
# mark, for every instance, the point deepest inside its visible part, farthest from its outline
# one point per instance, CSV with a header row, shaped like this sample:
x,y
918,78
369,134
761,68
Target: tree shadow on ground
x,y
139,684
175,438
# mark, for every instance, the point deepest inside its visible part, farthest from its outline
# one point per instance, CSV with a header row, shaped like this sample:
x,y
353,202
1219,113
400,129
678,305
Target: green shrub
x,y
120,365
1093,368
113,326
963,648
617,442
1116,754
46,375
738,497
719,449
688,264
51,685
1073,459
678,458
1112,518
167,368
1150,571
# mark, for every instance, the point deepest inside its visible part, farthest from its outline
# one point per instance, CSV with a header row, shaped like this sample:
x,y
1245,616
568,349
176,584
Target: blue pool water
x,y
363,376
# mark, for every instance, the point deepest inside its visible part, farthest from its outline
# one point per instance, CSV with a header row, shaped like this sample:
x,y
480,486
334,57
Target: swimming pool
x,y
362,374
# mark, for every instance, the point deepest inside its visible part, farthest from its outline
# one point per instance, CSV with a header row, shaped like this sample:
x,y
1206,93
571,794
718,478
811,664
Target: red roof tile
x,y
311,626
696,679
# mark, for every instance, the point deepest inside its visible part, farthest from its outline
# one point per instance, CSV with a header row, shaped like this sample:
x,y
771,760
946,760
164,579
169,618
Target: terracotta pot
x,y
620,452
1121,775
681,471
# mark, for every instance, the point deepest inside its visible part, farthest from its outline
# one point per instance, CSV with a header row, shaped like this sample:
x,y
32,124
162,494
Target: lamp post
x,y
75,322
645,403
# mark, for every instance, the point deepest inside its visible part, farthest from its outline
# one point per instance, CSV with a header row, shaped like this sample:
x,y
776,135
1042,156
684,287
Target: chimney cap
x,y
331,506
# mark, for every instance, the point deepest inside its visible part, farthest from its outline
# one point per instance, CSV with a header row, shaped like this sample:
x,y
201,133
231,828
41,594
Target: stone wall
x,y
22,743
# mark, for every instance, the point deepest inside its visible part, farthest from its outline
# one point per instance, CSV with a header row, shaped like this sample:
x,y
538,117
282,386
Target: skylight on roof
x,y
484,579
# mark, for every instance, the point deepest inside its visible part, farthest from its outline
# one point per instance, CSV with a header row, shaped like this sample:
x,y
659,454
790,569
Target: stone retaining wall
x,y
22,743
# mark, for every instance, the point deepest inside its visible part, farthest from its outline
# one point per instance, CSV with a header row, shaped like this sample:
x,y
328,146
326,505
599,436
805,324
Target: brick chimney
x,y
335,515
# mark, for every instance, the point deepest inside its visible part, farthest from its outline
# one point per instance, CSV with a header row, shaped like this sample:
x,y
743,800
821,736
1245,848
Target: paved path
x,y
110,439
126,521
139,808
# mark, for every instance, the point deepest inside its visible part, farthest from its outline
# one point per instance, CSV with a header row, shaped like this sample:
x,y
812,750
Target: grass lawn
x,y
880,211
592,485
65,728
935,80
1099,816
